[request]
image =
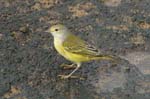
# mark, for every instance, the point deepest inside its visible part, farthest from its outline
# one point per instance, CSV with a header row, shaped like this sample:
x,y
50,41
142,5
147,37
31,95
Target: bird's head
x,y
58,30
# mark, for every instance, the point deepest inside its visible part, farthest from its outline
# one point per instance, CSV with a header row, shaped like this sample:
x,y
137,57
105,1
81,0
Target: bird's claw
x,y
63,76
67,76
66,66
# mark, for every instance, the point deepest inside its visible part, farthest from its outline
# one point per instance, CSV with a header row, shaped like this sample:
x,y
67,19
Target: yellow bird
x,y
73,48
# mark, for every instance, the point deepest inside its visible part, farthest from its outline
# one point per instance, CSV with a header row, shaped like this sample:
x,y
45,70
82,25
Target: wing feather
x,y
75,45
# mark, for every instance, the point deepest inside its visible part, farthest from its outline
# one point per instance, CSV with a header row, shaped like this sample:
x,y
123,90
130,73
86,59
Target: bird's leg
x,y
69,75
66,66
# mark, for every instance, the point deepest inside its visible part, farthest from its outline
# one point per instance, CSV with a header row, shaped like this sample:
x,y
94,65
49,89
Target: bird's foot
x,y
64,76
68,76
66,66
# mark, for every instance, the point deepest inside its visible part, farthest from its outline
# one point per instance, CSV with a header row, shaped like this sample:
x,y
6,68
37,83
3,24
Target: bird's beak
x,y
46,30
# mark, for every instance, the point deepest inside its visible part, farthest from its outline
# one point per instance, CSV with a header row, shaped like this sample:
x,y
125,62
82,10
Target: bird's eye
x,y
56,29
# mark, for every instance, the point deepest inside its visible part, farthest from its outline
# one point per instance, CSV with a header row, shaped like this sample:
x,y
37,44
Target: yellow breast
x,y
59,49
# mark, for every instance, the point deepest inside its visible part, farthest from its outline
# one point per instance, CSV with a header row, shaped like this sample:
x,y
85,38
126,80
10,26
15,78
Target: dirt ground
x,y
29,64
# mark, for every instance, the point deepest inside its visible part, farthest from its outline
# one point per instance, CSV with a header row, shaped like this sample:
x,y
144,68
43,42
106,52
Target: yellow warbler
x,y
73,48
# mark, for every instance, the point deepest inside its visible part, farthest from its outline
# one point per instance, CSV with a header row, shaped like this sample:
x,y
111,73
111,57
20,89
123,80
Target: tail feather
x,y
113,58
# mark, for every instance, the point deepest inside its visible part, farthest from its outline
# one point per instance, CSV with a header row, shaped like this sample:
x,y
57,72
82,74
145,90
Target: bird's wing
x,y
75,45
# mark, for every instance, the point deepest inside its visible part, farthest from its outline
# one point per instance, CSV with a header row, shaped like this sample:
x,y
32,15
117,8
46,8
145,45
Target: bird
x,y
75,49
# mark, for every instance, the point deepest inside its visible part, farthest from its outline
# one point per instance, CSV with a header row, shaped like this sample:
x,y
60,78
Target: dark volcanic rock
x,y
29,64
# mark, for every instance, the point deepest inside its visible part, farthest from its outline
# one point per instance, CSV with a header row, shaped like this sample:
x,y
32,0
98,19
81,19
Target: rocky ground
x,y
29,64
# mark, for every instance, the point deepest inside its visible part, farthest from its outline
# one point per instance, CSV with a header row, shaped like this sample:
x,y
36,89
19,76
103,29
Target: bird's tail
x,y
112,58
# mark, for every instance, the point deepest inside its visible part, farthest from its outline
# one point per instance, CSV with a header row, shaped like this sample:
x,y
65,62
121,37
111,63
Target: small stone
x,y
138,39
112,3
1,36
